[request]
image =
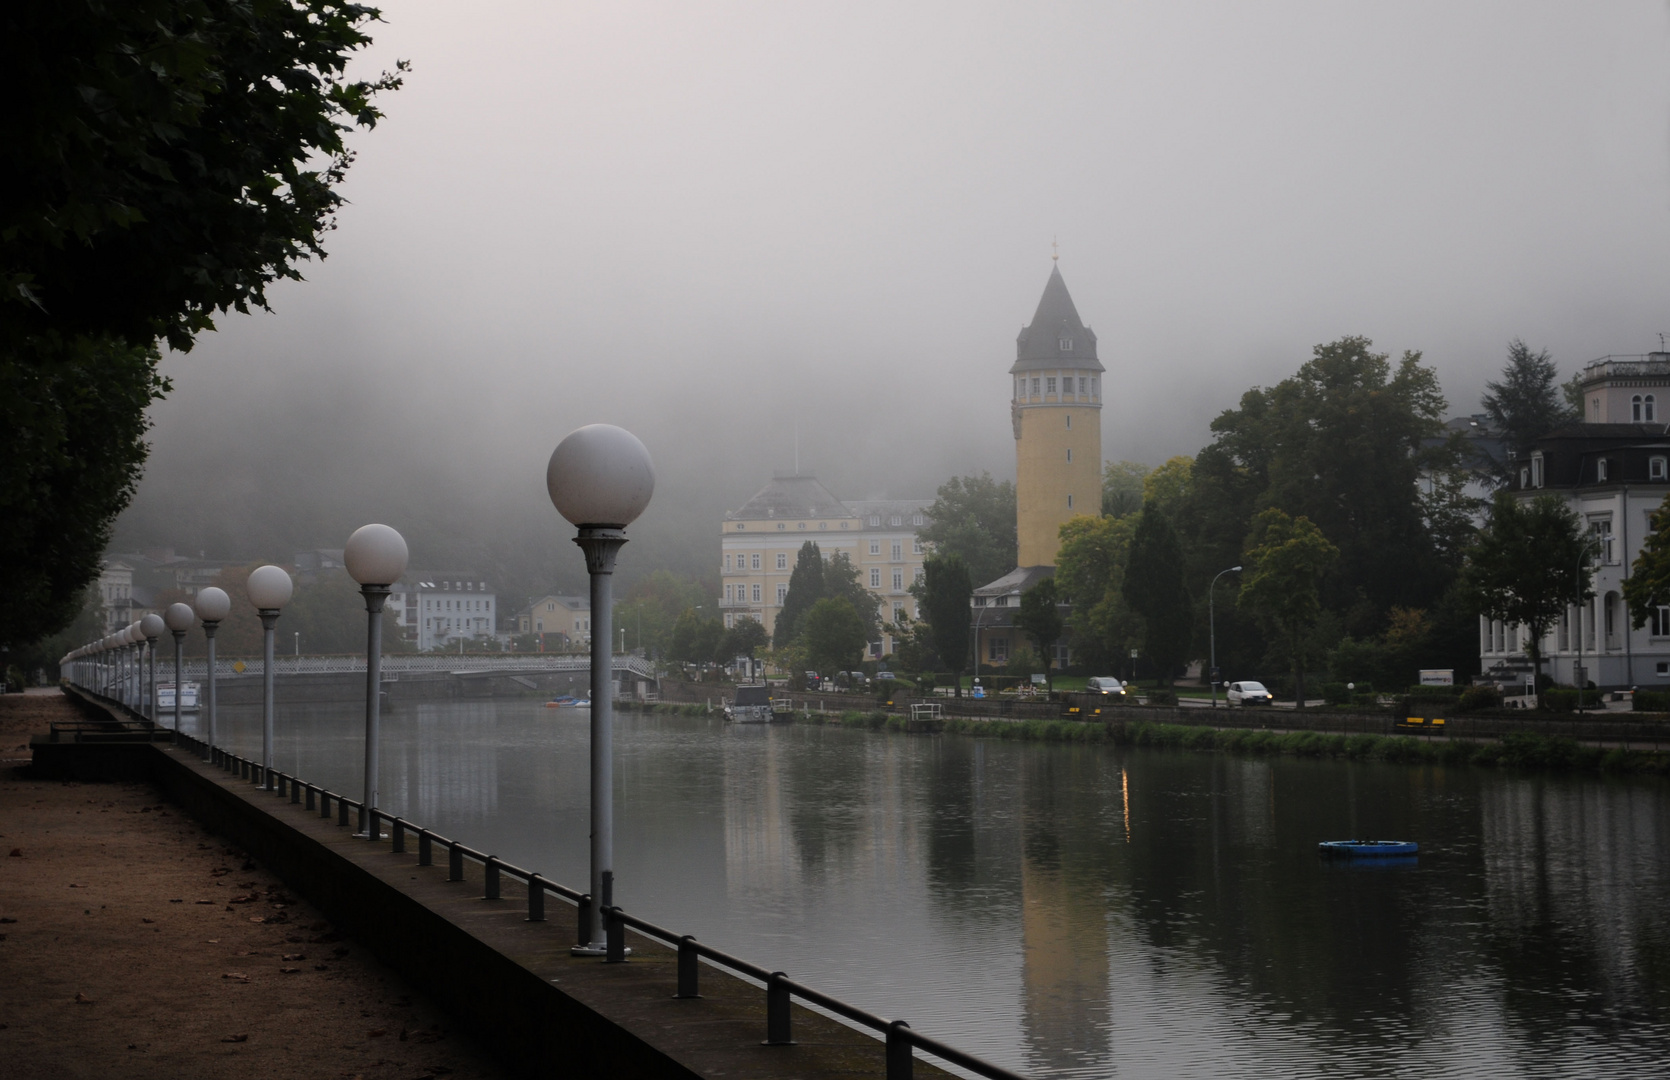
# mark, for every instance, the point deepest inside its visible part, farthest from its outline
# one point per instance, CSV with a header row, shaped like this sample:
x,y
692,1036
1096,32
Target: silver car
x,y
1106,685
1249,693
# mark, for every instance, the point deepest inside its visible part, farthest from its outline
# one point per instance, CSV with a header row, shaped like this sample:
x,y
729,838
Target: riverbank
x,y
1517,750
135,943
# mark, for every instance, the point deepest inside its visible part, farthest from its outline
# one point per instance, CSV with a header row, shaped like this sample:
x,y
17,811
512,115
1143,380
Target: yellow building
x,y
1057,413
760,542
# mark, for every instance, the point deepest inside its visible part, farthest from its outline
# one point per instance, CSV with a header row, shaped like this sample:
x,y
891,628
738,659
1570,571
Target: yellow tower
x,y
1057,413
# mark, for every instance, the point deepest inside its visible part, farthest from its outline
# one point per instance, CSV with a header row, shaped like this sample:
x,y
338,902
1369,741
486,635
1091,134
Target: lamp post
x,y
600,478
269,589
1212,626
213,605
1577,673
376,557
152,627
131,656
178,618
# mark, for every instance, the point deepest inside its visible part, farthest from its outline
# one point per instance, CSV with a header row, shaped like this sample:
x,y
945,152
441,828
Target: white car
x,y
1249,693
1106,685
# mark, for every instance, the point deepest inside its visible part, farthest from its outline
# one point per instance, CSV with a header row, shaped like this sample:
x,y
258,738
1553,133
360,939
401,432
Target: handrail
x,y
899,1039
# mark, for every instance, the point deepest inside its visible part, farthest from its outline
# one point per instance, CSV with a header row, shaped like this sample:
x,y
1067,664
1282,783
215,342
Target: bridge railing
x,y
899,1040
225,666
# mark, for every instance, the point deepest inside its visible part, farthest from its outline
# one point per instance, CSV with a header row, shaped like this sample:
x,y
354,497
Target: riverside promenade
x,y
531,1007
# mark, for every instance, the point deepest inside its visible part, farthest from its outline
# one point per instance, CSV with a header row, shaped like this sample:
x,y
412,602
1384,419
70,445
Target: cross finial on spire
x,y
1055,250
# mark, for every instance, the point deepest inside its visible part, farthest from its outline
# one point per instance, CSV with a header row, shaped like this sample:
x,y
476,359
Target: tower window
x,y
1093,390
1049,385
1069,455
1066,344
1083,383
1035,386
1069,421
1069,502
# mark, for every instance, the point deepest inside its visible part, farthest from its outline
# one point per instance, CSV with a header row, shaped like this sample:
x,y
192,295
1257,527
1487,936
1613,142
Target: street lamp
x,y
213,605
269,589
1212,626
178,619
376,557
152,627
135,660
600,478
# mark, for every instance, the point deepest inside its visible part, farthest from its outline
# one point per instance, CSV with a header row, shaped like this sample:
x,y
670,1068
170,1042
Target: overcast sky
x,y
711,223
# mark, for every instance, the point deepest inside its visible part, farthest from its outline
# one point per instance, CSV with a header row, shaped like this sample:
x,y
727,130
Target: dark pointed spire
x,y
1056,337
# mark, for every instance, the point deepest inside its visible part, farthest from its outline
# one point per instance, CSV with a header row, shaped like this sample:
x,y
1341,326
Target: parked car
x,y
885,675
1106,685
1249,693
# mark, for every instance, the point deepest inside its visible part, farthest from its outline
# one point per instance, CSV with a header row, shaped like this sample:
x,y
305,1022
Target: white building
x,y
440,606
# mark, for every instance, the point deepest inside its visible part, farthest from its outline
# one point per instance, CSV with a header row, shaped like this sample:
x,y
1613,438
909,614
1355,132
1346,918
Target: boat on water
x,y
165,698
568,701
752,705
1359,849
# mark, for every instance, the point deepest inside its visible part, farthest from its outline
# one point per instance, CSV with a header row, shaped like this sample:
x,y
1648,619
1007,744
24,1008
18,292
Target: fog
x,y
721,225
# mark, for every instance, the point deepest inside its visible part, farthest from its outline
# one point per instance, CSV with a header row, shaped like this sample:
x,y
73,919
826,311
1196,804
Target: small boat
x,y
752,705
165,698
568,701
1356,849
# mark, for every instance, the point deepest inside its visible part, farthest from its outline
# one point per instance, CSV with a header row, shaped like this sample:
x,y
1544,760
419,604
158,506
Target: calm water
x,y
1073,911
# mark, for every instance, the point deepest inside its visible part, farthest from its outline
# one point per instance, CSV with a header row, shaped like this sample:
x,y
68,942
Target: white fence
x,y
393,665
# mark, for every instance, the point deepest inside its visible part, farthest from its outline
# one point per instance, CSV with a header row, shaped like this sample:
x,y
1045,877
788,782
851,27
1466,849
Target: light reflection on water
x,y
1082,911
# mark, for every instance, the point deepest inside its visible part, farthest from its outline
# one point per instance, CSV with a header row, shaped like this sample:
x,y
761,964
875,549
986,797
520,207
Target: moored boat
x,y
1353,849
567,701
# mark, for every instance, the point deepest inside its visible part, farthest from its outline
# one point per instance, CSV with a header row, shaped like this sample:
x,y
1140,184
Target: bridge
x,y
445,663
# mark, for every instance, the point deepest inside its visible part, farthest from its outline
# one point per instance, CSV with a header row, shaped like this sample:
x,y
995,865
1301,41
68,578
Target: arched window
x,y
1647,409
1635,409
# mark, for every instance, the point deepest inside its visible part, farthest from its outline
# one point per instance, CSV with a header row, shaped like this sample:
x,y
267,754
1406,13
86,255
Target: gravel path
x,y
135,944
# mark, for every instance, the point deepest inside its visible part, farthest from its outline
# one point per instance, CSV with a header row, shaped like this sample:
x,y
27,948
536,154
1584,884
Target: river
x,y
1085,910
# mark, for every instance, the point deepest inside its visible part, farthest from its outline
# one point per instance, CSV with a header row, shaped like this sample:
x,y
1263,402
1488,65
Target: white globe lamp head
x,y
212,604
600,476
152,626
131,635
376,555
269,588
179,617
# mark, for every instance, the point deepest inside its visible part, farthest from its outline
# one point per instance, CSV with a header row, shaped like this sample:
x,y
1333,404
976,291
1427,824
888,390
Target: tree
x,y
694,640
834,635
805,589
1154,588
1285,560
1531,561
974,517
165,161
1040,620
1090,575
329,614
1527,403
744,638
1168,487
1122,487
652,607
943,593
1648,585
840,581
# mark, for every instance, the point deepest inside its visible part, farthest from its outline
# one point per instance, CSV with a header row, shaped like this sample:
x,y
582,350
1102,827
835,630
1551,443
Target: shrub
x,y
1162,697
1336,693
1558,701
1479,697
1651,701
1365,699
1449,692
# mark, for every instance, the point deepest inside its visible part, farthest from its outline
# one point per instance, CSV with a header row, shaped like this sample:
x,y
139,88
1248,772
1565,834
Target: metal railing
x,y
899,1040
198,667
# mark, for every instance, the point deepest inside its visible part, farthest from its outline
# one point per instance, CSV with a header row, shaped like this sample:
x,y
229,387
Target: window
x,y
875,521
917,575
1536,470
916,547
898,551
1594,410
1066,344
875,578
756,594
1602,531
727,594
1035,386
895,521
917,520
1092,386
898,580
1000,601
1069,502
1658,619
1600,470
1635,409
782,561
1648,410
1049,385
1663,669
782,591
756,562
802,525
843,524
1083,383
781,526
875,547
1069,421
1524,478
1069,455
898,610
823,524
1656,469
997,650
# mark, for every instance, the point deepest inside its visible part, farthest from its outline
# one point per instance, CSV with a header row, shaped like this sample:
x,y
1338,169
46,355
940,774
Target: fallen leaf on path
x,y
242,1036
17,853
376,1033
83,999
240,976
288,971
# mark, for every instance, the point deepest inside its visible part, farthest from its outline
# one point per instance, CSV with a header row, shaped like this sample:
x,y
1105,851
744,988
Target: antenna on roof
x,y
797,448
1661,341
1055,249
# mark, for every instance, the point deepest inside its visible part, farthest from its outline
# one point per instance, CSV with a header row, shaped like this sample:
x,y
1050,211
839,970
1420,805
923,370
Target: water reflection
x,y
1079,911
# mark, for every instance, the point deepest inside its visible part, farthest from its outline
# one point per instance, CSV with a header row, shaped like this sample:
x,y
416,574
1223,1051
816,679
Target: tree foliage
x,y
840,581
1531,561
1154,589
1528,402
744,638
1648,586
695,640
974,517
833,636
1286,558
1090,575
165,161
1122,487
943,593
1040,620
805,589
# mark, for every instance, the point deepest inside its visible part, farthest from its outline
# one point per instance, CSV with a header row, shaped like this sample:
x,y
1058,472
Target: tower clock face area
x,y
1056,405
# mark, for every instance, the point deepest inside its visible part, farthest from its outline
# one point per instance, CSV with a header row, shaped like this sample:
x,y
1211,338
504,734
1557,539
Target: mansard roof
x,y
791,497
1056,337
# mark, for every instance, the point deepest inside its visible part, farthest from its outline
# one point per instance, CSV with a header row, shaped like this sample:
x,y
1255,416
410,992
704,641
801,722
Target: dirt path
x,y
135,944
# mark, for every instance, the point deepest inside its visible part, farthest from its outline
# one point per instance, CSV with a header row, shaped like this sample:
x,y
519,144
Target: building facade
x,y
760,542
438,607
569,616
1613,471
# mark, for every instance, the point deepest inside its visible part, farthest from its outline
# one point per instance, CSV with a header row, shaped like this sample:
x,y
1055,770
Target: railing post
x,y
490,879
324,803
899,1061
454,862
295,791
536,898
341,811
312,800
583,911
688,968
426,855
282,786
614,937
397,836
777,1029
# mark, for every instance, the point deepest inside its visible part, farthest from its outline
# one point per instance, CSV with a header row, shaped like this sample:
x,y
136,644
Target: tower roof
x,y
1056,337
